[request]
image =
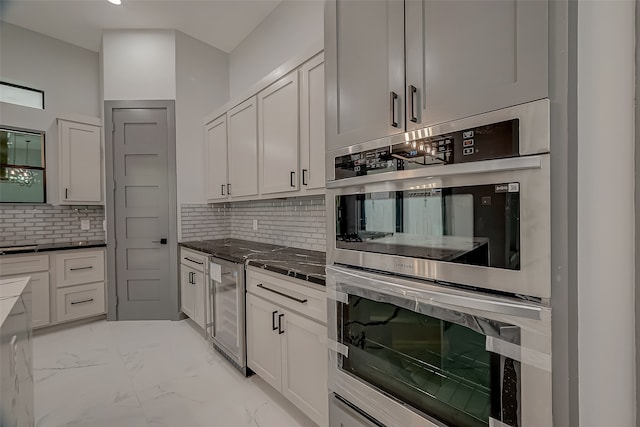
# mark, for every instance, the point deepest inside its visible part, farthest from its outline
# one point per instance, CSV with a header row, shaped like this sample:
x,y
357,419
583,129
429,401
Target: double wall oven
x,y
439,274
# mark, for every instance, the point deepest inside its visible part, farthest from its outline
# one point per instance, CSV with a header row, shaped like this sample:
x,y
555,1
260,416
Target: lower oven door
x,y
409,353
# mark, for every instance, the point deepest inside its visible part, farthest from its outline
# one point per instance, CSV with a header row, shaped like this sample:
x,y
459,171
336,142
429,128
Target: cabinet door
x,y
470,57
187,293
364,53
198,298
304,365
312,146
217,180
278,135
242,125
80,163
264,352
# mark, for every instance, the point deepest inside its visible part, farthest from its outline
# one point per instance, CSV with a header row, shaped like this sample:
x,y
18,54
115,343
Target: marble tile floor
x,y
147,374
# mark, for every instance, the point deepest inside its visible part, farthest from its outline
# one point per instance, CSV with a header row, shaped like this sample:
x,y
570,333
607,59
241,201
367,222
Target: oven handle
x,y
439,295
485,166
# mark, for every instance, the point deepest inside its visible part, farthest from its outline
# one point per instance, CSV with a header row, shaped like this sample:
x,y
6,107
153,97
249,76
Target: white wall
x,y
202,83
293,26
606,337
68,75
139,64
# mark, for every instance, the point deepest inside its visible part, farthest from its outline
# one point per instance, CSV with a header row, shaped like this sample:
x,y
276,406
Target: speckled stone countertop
x,y
25,249
299,263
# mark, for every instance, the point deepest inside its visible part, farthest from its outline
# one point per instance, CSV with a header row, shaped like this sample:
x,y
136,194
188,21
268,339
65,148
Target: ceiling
x,y
219,23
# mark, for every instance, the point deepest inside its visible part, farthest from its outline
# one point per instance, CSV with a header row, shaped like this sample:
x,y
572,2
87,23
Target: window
x,y
21,95
22,166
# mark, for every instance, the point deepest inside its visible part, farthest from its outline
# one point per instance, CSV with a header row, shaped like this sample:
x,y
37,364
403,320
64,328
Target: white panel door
x,y
305,359
187,291
278,135
80,162
242,125
264,352
494,55
312,146
217,178
364,53
40,303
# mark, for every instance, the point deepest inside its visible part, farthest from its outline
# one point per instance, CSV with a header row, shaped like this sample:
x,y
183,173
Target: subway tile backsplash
x,y
296,222
22,224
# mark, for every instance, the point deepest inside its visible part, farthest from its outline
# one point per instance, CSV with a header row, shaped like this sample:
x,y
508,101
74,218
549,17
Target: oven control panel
x,y
494,141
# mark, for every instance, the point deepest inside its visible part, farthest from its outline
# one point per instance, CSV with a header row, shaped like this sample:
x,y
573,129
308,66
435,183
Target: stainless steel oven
x,y
405,352
466,202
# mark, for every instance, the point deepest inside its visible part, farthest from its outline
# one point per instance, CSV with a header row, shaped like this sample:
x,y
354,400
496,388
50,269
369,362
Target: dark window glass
x,y
22,166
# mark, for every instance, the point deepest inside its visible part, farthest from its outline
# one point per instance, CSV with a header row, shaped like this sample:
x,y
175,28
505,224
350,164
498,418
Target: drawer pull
x,y
273,321
82,301
81,268
193,260
301,301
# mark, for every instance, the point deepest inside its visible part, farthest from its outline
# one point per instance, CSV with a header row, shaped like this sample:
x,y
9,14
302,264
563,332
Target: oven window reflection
x,y
478,225
440,368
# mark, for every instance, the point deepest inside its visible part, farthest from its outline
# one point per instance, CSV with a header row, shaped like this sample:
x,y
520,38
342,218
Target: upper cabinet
x,y
364,54
278,135
243,149
80,154
312,125
273,144
462,58
217,173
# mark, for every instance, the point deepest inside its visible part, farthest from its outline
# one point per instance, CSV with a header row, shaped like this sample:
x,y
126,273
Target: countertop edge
x,y
49,248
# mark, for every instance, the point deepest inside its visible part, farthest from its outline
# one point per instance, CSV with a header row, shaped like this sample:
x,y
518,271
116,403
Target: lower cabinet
x,y
65,285
192,284
286,348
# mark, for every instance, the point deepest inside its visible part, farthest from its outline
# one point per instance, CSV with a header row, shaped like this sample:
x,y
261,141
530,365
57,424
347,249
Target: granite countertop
x,y
299,263
33,248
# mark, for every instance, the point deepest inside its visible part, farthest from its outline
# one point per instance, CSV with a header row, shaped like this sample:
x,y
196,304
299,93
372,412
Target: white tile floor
x,y
156,374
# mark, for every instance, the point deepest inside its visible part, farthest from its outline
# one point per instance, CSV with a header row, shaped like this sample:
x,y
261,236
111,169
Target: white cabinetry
x,y
79,284
37,267
80,154
272,144
462,58
192,285
312,146
217,159
278,135
66,285
243,149
287,339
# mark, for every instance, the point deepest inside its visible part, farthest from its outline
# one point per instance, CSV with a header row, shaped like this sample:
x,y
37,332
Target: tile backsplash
x,y
297,222
35,223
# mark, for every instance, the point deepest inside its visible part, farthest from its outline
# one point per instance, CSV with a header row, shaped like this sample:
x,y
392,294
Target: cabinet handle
x,y
304,176
301,301
228,189
293,177
412,94
280,330
189,279
82,302
66,193
222,190
81,268
393,98
193,260
273,320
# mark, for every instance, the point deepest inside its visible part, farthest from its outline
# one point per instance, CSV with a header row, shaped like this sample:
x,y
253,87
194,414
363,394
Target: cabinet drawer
x,y
21,264
291,293
79,267
193,259
79,301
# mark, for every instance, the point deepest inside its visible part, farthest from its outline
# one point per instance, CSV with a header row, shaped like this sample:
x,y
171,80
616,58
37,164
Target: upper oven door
x,y
484,224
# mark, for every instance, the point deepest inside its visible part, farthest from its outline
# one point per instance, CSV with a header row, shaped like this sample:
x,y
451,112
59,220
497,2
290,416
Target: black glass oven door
x,y
435,361
475,225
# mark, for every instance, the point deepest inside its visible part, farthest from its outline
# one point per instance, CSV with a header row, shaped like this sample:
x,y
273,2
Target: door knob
x,y
161,241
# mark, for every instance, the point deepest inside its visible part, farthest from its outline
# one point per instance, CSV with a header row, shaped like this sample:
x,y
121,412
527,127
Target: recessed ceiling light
x,y
115,1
